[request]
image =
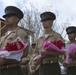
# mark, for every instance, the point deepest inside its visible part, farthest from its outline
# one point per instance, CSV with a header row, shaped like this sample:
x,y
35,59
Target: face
x,y
11,20
71,36
47,23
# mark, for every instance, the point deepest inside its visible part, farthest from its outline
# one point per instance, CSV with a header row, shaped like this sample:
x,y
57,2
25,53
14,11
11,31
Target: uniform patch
x,y
26,37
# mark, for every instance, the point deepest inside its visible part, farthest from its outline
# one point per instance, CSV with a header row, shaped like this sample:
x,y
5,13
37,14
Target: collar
x,y
8,32
50,34
12,31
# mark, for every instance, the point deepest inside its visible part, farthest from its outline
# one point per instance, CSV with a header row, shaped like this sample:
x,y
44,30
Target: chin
x,y
7,24
45,27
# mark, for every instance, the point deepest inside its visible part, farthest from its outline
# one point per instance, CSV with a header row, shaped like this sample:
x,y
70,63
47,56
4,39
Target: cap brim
x,y
9,14
46,19
71,32
4,16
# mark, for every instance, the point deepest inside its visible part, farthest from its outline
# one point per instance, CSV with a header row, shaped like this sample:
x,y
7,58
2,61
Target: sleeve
x,y
1,39
36,48
31,63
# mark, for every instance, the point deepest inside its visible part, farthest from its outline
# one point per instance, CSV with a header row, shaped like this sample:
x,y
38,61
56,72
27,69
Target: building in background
x,y
3,27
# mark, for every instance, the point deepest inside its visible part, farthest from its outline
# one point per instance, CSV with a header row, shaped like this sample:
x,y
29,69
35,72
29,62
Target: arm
x,y
25,53
31,65
36,52
23,35
37,68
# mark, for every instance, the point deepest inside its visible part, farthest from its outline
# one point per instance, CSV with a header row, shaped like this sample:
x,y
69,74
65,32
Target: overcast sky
x,y
65,9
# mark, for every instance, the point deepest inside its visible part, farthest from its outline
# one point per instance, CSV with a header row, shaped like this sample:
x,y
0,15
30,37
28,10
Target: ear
x,y
51,21
17,19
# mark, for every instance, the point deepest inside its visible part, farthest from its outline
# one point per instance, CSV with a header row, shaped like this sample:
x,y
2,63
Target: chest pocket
x,y
11,35
50,38
41,41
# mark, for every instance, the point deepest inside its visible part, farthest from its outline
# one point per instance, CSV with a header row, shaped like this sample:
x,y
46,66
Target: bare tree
x,y
31,21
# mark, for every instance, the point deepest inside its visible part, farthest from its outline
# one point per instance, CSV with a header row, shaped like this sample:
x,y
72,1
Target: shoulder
x,y
22,33
58,36
56,33
39,39
21,30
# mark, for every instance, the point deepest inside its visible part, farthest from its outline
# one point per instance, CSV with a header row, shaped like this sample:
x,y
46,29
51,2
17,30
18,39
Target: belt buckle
x,y
44,62
51,62
7,66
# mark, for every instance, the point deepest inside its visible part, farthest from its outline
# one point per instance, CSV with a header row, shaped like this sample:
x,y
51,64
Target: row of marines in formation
x,y
48,64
